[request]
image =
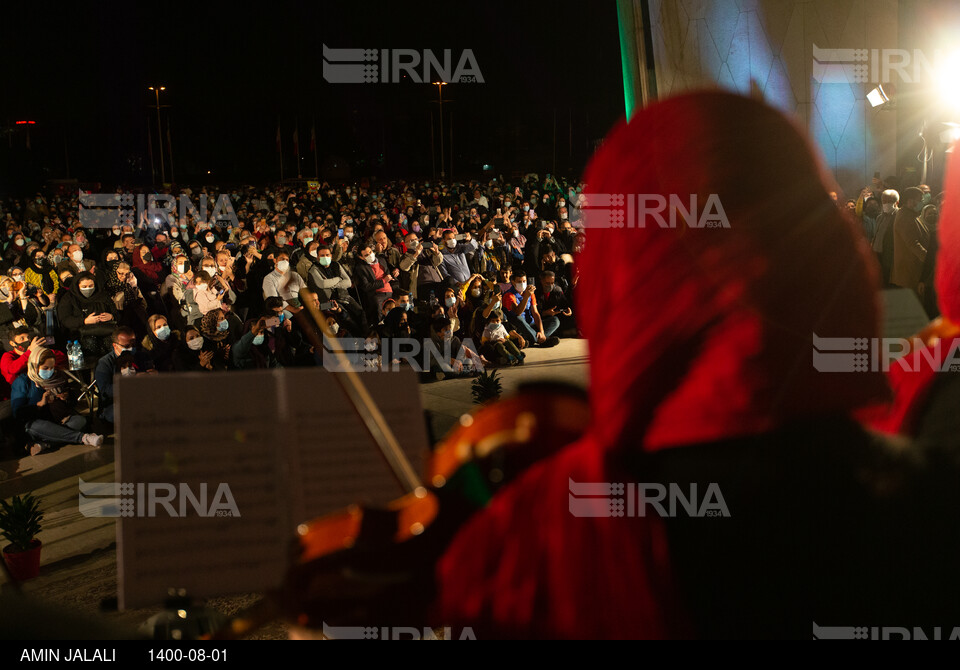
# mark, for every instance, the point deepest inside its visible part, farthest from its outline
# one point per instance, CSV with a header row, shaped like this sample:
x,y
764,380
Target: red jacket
x,y
13,364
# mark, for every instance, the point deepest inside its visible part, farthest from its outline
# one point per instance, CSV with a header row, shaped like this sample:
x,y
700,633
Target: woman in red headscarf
x,y
701,342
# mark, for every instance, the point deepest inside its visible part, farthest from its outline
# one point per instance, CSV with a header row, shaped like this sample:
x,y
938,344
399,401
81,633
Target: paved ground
x,y
79,569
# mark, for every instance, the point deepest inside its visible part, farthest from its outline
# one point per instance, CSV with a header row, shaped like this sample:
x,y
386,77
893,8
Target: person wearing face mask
x,y
15,252
552,302
160,343
496,344
87,314
882,242
420,267
868,208
208,240
195,355
42,404
207,293
173,292
253,351
373,282
492,255
911,240
215,328
282,282
41,274
456,359
21,345
455,267
150,274
76,261
123,340
520,307
124,289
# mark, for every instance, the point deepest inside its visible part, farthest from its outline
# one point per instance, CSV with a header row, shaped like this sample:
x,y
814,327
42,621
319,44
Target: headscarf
x,y
55,383
152,270
695,335
47,283
209,323
114,285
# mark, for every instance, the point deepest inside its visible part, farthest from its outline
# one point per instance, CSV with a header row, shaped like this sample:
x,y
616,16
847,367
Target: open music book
x,y
218,469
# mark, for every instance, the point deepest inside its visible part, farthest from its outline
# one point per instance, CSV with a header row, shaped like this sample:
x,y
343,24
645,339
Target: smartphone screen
x,y
340,232
272,322
325,306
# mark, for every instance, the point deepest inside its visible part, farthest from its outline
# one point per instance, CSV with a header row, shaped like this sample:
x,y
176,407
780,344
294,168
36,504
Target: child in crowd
x,y
496,338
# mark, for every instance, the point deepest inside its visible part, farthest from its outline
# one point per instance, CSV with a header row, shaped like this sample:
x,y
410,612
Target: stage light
x,y
877,97
948,80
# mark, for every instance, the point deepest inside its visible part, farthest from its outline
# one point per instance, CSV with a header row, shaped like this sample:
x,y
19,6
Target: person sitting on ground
x,y
42,403
195,355
160,343
497,342
14,362
123,340
520,306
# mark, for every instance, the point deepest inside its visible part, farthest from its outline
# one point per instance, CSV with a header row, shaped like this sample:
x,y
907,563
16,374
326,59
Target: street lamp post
x,y
163,175
440,85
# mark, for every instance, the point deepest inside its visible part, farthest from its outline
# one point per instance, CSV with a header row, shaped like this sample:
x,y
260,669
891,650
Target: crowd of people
x,y
484,270
901,226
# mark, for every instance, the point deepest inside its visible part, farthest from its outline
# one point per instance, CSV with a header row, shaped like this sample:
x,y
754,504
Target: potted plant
x,y
20,520
486,388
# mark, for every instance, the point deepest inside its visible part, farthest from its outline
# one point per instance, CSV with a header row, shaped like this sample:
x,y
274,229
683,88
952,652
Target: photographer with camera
x,y
420,267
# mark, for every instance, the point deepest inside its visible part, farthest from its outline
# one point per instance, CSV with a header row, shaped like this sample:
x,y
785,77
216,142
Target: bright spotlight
x,y
948,80
877,97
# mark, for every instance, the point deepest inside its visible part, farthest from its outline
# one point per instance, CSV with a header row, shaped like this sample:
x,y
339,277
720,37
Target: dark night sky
x,y
233,70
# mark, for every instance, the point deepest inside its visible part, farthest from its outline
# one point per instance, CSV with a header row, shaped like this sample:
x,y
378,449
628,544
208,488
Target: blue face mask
x,y
46,374
258,339
223,325
163,332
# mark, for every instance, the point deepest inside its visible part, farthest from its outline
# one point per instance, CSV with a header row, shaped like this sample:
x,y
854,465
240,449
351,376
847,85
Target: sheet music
x,y
329,437
288,445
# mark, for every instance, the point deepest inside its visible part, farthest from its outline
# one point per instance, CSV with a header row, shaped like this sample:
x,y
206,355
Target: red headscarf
x,y
912,378
696,334
152,270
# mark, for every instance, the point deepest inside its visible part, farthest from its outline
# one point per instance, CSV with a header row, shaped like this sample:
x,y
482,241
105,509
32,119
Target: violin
x,y
940,328
365,566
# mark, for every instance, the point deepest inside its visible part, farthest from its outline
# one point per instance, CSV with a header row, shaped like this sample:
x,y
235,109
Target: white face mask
x,y
475,292
210,239
314,253
128,372
451,244
77,256
521,286
283,266
210,271
195,344
181,269
370,258
488,244
334,327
